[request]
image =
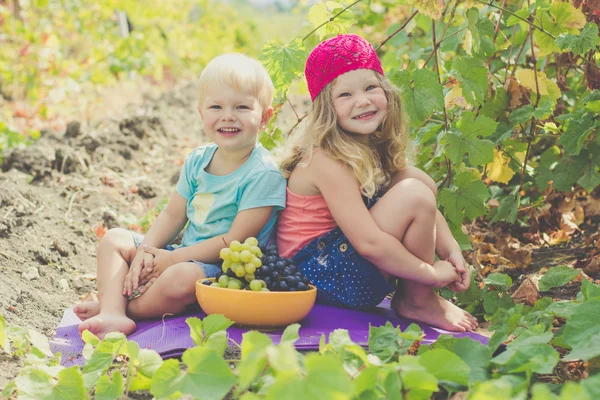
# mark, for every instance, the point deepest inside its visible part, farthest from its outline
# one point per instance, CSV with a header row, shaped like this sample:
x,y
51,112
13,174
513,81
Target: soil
x,y
60,194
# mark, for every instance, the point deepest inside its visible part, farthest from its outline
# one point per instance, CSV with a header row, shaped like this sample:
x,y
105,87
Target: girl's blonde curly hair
x,y
373,164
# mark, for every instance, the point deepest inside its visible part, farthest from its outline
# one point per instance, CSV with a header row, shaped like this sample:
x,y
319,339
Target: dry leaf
x,y
527,293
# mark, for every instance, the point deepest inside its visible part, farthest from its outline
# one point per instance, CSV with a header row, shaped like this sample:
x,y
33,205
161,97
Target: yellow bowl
x,y
257,309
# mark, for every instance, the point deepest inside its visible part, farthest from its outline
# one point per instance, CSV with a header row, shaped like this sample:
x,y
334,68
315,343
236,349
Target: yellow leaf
x,y
455,98
547,86
499,170
431,8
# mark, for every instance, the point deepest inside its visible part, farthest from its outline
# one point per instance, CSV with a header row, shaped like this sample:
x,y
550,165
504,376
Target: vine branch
x,y
396,31
330,19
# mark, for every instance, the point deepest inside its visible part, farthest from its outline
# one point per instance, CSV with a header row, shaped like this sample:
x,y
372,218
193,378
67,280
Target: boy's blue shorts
x,y
342,276
210,270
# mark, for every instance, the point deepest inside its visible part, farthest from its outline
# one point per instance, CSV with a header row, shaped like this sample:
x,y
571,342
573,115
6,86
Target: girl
x,y
356,216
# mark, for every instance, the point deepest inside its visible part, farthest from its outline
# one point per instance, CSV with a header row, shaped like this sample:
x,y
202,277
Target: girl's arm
x,y
342,195
246,223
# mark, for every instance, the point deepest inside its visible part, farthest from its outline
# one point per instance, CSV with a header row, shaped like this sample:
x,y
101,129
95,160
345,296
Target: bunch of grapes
x,y
280,274
248,266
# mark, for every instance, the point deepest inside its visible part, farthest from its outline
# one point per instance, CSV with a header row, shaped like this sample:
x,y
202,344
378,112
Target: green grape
x,y
263,283
249,277
252,241
250,268
240,271
234,284
216,284
223,281
246,246
264,290
235,256
224,253
255,285
227,264
245,255
224,268
235,245
234,266
256,261
256,251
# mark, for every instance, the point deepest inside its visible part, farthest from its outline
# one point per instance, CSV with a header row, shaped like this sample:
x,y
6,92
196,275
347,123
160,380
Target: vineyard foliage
x,y
396,364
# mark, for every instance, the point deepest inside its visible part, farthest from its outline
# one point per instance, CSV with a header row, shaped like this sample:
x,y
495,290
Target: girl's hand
x,y
163,259
445,273
457,260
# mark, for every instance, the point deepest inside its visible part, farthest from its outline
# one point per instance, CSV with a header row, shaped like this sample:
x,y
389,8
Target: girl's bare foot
x,y
87,309
104,323
434,310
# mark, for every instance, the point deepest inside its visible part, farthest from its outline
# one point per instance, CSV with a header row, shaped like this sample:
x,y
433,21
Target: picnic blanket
x,y
172,337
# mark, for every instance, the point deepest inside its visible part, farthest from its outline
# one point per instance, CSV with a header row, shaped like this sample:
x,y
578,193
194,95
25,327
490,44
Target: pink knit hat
x,y
336,56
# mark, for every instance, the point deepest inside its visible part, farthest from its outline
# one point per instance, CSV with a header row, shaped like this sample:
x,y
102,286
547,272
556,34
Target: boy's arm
x,y
246,223
168,224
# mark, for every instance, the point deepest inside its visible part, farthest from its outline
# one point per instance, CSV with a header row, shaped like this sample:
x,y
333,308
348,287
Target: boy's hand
x,y
162,260
140,263
457,260
445,273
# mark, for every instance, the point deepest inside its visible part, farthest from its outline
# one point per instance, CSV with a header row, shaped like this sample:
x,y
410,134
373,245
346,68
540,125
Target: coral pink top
x,y
303,219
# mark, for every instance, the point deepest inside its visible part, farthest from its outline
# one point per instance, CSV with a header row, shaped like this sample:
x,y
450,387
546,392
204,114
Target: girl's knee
x,y
416,173
417,193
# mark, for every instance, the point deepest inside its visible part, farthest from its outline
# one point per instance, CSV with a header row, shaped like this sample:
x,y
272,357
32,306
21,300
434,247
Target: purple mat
x,y
172,338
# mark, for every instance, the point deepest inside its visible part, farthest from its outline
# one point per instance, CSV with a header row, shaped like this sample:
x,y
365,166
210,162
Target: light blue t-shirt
x,y
214,201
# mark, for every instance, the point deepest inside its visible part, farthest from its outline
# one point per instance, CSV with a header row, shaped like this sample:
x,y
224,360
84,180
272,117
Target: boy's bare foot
x,y
105,323
435,311
86,309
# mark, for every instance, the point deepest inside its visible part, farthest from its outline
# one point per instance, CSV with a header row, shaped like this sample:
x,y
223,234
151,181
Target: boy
x,y
228,190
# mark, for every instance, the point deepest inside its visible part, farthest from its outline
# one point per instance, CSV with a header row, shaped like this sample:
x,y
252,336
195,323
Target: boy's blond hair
x,y
242,73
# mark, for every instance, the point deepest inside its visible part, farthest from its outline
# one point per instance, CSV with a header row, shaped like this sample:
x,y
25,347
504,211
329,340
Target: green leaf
x,y
254,357
557,276
472,75
579,44
385,342
579,129
366,380
35,384
109,390
284,359
207,373
421,99
464,200
196,331
561,18
3,338
284,63
500,281
509,208
326,378
588,291
392,384
415,376
102,358
592,386
538,357
9,390
540,391
290,334
323,12
218,341
215,323
465,140
446,366
475,354
582,330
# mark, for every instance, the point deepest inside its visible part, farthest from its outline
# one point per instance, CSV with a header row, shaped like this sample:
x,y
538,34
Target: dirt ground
x,y
58,195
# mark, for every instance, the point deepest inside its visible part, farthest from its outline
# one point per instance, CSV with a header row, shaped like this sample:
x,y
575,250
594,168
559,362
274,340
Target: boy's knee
x,y
116,237
180,280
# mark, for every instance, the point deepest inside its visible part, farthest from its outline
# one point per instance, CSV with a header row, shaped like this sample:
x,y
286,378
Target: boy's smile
x,y
232,119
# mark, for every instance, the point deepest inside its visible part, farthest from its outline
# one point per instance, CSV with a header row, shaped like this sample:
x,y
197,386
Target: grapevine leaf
x,y
218,341
215,323
415,376
496,105
509,207
254,357
591,174
385,342
580,127
529,352
271,140
290,334
207,373
284,63
588,291
102,358
546,87
446,366
424,98
557,276
431,8
499,281
582,330
465,139
196,331
392,385
107,389
475,354
579,44
284,359
466,200
499,170
326,378
472,75
323,12
561,18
